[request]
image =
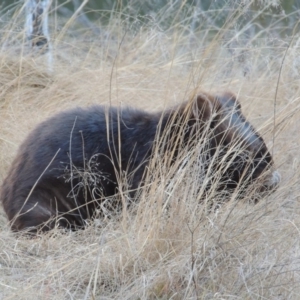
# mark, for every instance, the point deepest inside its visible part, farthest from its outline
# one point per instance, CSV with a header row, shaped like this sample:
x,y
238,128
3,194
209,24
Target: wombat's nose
x,y
272,180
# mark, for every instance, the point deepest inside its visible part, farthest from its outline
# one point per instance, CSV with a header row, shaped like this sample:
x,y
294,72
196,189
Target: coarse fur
x,y
46,184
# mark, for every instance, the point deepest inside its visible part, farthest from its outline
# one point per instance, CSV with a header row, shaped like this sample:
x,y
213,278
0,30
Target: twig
x,y
276,92
193,260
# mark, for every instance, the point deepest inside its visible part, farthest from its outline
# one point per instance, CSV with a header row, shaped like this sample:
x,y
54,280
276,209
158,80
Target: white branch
x,y
37,27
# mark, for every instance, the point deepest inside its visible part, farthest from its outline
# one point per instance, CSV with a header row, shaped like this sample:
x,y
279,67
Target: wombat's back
x,y
46,177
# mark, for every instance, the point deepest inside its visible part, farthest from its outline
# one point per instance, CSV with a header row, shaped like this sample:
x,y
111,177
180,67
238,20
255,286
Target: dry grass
x,y
242,251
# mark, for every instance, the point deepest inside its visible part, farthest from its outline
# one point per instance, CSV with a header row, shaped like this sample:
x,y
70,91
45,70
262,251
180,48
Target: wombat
x,y
44,186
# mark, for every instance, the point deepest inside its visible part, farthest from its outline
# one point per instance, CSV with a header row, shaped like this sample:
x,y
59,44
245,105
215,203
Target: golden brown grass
x,y
167,246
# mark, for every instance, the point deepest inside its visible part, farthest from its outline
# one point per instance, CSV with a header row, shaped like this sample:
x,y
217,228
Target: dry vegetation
x,y
241,251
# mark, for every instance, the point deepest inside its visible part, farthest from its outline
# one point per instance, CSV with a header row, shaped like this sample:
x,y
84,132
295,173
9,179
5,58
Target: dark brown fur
x,y
43,185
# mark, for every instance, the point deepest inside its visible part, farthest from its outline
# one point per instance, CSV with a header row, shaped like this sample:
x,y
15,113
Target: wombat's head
x,y
238,154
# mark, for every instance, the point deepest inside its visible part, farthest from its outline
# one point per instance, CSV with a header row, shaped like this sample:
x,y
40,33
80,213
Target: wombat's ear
x,y
229,100
202,108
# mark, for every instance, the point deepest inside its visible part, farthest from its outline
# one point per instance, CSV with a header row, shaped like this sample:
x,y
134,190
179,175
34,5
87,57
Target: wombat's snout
x,y
270,180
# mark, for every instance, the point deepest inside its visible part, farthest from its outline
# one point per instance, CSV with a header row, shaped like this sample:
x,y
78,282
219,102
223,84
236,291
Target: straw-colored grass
x,y
167,246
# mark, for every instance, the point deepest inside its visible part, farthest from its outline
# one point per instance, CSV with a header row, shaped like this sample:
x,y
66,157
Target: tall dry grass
x,y
167,246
